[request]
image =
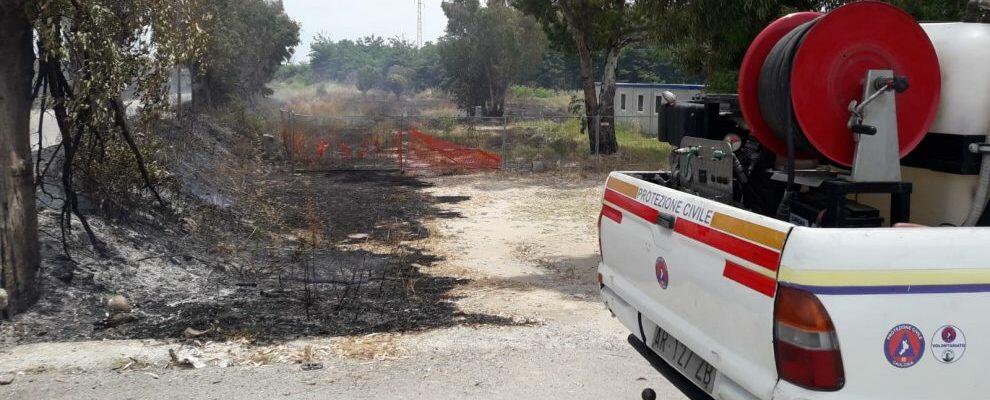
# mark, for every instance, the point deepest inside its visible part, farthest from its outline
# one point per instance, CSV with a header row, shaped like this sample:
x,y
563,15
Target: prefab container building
x,y
638,103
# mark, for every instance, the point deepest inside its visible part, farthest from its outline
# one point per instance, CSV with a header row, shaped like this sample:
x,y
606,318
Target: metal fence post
x,y
290,145
402,129
505,141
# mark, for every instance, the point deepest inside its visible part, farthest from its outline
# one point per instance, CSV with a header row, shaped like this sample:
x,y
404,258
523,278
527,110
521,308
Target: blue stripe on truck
x,y
897,289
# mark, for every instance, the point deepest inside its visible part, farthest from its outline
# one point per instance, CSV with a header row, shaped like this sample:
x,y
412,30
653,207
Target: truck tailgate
x,y
703,271
911,308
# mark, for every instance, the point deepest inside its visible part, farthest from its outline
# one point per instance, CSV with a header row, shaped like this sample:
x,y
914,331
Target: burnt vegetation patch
x,y
248,249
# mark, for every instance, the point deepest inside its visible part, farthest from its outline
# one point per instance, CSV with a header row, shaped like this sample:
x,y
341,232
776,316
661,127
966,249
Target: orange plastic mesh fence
x,y
401,150
440,154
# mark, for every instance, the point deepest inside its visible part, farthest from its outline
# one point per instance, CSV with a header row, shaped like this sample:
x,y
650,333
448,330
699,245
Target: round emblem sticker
x,y
948,344
662,277
904,346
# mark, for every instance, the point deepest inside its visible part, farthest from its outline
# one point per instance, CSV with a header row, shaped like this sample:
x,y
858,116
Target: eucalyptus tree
x,y
87,53
248,40
485,50
588,28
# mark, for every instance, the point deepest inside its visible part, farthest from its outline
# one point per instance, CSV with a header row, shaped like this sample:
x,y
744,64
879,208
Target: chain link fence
x,y
456,143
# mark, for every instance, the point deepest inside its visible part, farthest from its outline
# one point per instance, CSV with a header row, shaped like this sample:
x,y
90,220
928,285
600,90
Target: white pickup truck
x,y
749,307
747,304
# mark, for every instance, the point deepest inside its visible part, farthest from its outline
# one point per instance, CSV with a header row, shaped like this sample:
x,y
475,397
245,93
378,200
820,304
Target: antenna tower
x,y
419,23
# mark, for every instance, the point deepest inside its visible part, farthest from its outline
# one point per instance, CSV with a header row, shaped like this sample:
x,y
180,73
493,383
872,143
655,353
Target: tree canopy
x,y
589,28
248,40
485,50
354,61
86,53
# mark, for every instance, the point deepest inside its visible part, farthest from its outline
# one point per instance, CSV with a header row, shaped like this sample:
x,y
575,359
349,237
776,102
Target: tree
x,y
485,50
87,53
429,68
248,42
19,255
589,27
398,79
343,60
368,78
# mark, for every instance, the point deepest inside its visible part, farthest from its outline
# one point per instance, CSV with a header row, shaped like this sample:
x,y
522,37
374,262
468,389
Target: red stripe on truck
x,y
612,214
638,209
749,278
751,252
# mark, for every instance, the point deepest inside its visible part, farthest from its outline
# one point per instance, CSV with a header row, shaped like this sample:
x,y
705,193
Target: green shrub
x,y
447,123
530,92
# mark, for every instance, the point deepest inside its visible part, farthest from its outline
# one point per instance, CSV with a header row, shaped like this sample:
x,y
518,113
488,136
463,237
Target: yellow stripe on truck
x,y
747,230
623,187
885,277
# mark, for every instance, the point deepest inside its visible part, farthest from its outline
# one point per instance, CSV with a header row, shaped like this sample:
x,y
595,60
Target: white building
x,y
638,103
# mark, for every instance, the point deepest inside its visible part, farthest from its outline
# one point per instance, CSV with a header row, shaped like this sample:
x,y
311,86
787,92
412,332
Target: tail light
x,y
805,342
598,225
614,215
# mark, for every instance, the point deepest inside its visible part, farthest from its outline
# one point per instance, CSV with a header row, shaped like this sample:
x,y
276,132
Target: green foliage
x,y
647,63
640,63
294,72
250,121
368,78
103,46
111,175
248,42
485,50
398,80
566,140
447,123
89,52
347,60
589,28
600,23
530,92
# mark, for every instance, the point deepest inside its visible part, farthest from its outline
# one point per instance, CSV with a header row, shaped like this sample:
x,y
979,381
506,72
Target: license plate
x,y
684,360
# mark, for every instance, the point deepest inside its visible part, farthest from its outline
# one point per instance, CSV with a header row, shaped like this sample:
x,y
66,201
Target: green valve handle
x,y
718,154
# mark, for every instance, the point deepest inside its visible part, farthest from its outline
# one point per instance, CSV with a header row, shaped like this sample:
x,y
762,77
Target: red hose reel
x,y
828,71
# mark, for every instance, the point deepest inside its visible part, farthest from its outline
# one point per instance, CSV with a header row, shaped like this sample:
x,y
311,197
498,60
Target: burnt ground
x,y
248,250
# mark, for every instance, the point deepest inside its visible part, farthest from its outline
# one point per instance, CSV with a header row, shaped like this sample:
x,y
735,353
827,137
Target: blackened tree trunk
x,y
19,256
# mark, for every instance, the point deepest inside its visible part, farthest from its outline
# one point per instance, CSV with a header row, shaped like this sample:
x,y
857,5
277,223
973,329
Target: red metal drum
x,y
831,64
749,77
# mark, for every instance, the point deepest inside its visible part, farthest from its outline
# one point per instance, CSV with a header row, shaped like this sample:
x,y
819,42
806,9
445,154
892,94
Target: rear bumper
x,y
788,391
641,327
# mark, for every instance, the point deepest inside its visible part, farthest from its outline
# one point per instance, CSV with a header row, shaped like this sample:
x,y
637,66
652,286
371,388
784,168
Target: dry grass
x,y
373,347
130,364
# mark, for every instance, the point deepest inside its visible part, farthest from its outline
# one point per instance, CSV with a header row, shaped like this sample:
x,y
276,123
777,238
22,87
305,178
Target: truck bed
x,y
709,274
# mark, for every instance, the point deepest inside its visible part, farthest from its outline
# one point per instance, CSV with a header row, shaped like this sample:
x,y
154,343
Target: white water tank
x,y
964,53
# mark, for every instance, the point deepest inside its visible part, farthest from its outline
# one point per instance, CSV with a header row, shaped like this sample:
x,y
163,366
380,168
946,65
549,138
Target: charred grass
x,y
250,250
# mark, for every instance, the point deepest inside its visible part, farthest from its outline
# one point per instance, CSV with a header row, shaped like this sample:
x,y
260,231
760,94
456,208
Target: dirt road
x,y
528,247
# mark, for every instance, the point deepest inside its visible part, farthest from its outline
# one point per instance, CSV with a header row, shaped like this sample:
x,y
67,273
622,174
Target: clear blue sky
x,y
353,19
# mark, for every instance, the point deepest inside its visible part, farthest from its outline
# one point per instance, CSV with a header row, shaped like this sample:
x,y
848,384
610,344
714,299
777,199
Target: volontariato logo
x,y
663,276
948,344
904,346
